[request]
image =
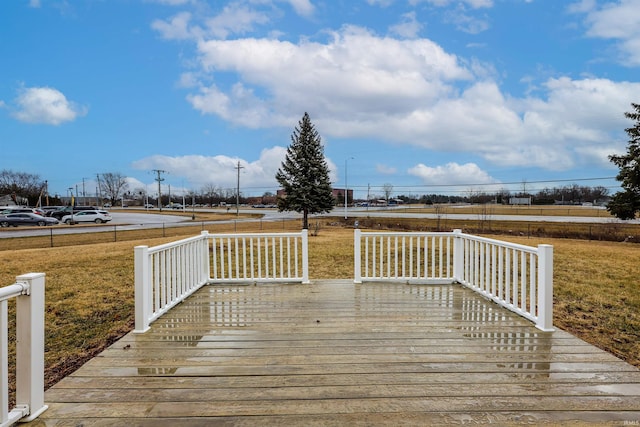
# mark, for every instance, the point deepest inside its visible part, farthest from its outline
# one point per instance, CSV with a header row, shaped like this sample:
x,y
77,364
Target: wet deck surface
x,y
334,353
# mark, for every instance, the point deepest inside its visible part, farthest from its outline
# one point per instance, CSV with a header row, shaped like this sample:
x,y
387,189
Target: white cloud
x,y
47,106
466,22
256,176
350,77
452,174
177,28
35,4
424,97
618,21
302,7
235,19
408,28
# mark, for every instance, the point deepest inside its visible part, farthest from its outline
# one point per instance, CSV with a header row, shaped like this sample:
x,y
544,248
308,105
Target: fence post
x,y
204,248
545,288
30,346
142,289
357,257
458,256
305,256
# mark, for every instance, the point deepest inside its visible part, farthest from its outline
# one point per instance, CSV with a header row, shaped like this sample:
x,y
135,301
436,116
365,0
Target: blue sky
x,y
429,96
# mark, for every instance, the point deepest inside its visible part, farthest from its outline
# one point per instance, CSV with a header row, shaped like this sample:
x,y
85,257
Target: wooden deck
x,y
335,353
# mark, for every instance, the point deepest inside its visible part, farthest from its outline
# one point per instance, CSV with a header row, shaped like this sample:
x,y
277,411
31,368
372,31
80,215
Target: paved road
x,y
137,221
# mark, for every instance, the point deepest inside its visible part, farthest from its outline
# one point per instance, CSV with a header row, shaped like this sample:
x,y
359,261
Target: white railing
x,y
29,293
167,274
263,257
517,277
403,256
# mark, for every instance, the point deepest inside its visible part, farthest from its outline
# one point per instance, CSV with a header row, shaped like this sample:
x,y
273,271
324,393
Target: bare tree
x,y
387,190
113,185
24,188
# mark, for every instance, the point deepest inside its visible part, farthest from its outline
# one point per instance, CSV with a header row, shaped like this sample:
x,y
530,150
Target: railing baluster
x,y
507,273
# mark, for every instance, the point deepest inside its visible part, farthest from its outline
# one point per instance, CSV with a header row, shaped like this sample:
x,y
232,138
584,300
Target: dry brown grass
x,y
89,289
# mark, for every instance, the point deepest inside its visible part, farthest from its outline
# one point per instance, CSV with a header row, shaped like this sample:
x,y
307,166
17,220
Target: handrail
x,y
29,293
517,277
426,257
167,274
259,257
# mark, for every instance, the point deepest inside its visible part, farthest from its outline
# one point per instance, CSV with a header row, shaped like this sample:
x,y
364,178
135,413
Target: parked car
x,y
67,210
20,209
88,216
25,218
149,206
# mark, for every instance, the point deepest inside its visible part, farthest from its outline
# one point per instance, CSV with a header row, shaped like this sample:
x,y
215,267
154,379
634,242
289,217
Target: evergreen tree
x,y
626,204
304,174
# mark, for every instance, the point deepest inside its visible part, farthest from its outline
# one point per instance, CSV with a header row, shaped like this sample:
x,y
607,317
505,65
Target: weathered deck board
x,y
334,353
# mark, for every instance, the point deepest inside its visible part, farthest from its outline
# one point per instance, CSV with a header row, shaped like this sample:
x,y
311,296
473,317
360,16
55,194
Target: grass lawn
x,y
90,291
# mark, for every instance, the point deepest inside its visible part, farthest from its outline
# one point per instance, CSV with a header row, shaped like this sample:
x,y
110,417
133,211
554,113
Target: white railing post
x,y
545,288
357,257
204,247
305,256
30,346
458,256
142,289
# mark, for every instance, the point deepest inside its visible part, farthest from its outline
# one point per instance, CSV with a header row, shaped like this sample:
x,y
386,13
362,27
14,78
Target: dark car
x,y
67,210
25,218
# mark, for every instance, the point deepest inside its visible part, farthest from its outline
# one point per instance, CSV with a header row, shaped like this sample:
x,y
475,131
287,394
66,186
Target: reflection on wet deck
x,y
334,353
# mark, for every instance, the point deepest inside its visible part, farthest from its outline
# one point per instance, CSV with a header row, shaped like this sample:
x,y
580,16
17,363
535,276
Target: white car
x,y
88,216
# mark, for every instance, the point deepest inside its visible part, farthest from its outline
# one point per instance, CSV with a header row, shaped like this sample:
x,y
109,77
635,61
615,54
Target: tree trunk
x,y
305,219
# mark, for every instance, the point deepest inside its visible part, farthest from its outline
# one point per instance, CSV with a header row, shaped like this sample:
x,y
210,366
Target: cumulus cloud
x,y
256,176
235,18
425,96
619,21
350,78
46,106
452,174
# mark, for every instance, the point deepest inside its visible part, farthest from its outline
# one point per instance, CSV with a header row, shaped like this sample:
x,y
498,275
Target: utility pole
x,y
159,179
99,192
238,190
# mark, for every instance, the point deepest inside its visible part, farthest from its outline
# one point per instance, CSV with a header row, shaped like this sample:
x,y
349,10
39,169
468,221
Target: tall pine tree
x,y
304,175
626,204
